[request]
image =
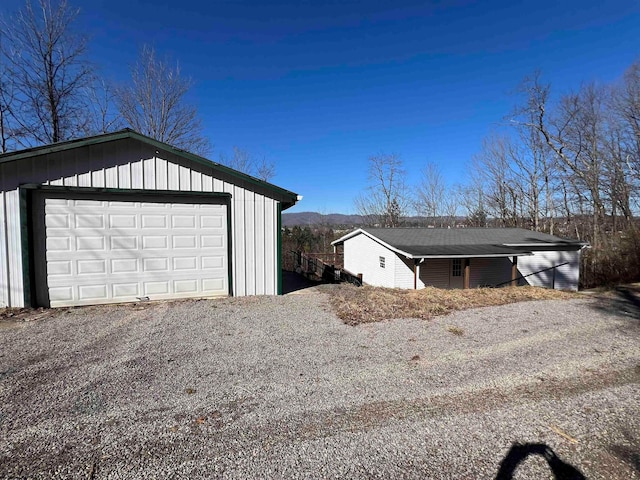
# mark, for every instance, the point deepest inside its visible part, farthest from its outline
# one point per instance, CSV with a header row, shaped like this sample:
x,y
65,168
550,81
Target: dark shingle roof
x,y
467,241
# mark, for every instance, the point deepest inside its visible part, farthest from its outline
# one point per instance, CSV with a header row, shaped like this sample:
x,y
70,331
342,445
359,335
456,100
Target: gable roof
x,y
287,197
463,242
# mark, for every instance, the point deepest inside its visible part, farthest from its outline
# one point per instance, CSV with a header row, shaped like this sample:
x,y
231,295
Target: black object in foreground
x,y
519,452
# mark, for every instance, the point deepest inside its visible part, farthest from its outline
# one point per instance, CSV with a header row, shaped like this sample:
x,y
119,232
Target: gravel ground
x,y
278,387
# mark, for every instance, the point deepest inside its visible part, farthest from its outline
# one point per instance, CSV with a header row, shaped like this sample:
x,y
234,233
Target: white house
x,y
461,258
121,217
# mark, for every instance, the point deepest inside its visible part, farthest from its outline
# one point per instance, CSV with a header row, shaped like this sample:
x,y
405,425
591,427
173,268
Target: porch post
x,y
514,272
416,267
467,271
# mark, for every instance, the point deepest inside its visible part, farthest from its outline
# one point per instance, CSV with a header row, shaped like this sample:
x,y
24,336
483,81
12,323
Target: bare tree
x,y
9,130
154,104
104,118
473,202
501,191
435,199
626,105
386,200
46,64
430,192
245,162
624,139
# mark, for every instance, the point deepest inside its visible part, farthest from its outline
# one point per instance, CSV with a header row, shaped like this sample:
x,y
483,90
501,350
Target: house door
x,y
456,280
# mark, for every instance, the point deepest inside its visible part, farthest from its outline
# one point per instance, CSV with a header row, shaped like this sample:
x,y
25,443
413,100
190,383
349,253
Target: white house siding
x,y
362,255
485,272
404,272
566,277
434,272
131,164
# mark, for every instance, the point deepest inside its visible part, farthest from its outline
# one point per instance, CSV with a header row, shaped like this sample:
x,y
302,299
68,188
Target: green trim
x,y
25,245
127,191
61,146
229,247
287,197
279,247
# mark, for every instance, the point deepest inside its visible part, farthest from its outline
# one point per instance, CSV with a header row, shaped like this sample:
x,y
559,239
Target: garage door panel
x,y
58,244
89,267
63,267
154,221
113,251
124,265
184,241
154,242
124,290
59,220
123,221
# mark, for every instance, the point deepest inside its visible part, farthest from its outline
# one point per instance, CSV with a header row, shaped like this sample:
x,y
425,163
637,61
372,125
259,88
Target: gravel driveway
x,y
278,387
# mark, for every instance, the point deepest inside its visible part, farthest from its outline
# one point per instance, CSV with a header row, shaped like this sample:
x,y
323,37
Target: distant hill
x,y
303,219
314,218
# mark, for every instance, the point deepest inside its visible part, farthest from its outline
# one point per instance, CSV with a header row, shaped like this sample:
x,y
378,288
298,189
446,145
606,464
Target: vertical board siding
x,y
111,177
240,242
161,174
14,247
149,173
4,254
196,181
184,179
137,175
124,176
260,242
250,242
173,172
127,165
271,245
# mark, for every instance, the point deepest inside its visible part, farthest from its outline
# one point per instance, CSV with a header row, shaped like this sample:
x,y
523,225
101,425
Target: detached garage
x,y
121,217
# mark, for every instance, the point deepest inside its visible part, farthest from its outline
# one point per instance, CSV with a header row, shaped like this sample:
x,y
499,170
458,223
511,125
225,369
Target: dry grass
x,y
355,305
455,330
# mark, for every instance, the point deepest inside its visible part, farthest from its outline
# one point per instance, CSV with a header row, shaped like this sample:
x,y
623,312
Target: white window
x,y
381,262
457,267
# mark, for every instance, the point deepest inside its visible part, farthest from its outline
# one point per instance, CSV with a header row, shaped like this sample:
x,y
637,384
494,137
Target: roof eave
x,y
487,255
288,198
372,237
547,244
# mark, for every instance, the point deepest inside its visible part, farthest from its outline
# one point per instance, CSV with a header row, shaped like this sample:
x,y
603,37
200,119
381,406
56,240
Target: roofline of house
x,y
486,255
556,244
372,237
342,239
290,198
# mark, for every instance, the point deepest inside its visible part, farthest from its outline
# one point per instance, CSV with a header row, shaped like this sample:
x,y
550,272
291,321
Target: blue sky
x,y
319,86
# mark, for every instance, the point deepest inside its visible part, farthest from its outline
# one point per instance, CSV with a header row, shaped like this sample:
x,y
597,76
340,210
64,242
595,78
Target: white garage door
x,y
106,250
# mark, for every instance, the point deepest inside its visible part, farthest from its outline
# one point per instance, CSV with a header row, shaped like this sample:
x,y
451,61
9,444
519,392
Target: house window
x,y
457,267
381,262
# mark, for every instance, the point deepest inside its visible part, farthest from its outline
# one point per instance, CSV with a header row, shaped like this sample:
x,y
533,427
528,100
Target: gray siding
x,y
485,272
130,164
434,272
